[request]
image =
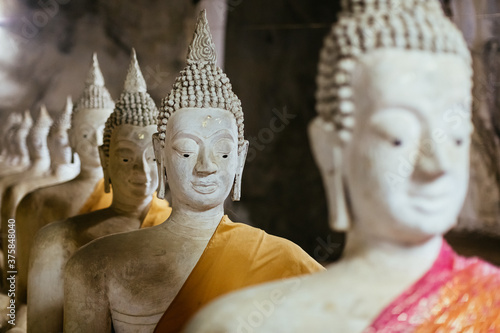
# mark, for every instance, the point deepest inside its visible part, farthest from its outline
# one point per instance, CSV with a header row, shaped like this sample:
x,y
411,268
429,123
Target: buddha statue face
x,y
58,143
201,156
131,165
37,145
406,166
86,134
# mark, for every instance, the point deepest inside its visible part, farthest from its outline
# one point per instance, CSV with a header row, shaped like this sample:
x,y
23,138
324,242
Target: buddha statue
x,y
129,165
130,282
17,159
61,168
392,144
61,201
11,122
38,153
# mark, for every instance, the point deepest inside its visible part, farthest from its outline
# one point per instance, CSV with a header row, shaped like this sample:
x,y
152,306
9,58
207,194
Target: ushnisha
x,y
395,168
147,277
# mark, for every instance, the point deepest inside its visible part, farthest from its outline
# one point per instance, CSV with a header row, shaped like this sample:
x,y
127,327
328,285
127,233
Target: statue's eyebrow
x,y
181,134
223,133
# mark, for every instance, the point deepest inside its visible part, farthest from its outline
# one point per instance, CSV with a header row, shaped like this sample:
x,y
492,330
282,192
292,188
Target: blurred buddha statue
x,y
125,282
11,123
17,156
38,153
392,143
61,201
129,165
61,168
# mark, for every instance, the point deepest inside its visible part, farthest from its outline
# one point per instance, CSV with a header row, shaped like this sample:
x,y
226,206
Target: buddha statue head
x,y
393,132
200,149
17,145
58,141
37,138
88,118
127,154
12,123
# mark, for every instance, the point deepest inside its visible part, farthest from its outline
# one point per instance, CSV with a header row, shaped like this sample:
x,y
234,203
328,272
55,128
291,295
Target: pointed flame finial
x,y
68,108
135,80
43,120
202,49
27,119
95,75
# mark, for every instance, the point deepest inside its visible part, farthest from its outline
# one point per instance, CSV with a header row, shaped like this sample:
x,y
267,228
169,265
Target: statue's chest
x,y
147,285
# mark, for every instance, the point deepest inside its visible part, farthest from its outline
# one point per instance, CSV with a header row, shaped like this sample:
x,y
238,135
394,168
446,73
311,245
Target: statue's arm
x,y
48,257
86,305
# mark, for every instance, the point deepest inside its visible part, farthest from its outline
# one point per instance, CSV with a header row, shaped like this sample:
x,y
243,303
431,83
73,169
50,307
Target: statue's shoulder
x,y
238,311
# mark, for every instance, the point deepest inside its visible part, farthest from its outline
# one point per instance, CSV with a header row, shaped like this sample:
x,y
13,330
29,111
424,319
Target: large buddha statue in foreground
x,y
392,143
129,166
131,281
53,203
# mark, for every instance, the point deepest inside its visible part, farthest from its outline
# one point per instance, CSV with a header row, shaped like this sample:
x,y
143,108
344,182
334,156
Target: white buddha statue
x,y
392,143
38,152
65,165
11,122
17,159
57,202
39,175
131,281
128,163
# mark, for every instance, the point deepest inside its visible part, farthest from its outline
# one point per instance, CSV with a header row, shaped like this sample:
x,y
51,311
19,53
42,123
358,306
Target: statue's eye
x,y
85,136
185,155
125,160
225,156
459,142
397,142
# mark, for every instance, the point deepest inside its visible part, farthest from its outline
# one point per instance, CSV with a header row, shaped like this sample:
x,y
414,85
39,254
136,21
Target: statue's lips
x,y
139,183
204,187
431,204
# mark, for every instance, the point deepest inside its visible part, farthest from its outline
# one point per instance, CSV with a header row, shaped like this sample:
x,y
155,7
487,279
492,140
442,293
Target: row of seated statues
x,y
97,248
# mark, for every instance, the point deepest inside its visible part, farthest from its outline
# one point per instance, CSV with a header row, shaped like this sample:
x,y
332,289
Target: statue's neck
x,y
40,163
386,256
89,173
139,209
194,224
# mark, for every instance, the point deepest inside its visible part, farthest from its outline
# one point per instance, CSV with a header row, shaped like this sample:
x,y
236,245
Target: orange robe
x,y
236,256
159,211
98,199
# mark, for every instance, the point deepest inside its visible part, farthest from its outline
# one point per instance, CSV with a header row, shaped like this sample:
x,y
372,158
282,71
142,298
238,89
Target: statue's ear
x,y
162,172
327,150
242,156
105,164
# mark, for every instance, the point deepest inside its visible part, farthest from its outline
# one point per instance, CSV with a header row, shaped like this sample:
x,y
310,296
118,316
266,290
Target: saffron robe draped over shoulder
x,y
236,256
159,211
97,200
456,295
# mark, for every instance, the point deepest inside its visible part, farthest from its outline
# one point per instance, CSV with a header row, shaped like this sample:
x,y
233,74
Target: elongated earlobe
x,y
242,156
327,150
104,164
162,171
